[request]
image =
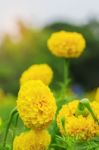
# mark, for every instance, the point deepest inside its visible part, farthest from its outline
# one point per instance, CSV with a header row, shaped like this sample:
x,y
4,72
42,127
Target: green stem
x,y
13,112
66,77
66,72
15,127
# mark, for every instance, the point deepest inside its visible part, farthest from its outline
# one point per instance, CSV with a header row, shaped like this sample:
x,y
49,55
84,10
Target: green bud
x,y
86,103
81,110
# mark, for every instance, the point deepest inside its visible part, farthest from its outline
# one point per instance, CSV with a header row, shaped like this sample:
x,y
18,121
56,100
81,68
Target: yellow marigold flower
x,y
36,104
66,44
41,72
83,127
32,140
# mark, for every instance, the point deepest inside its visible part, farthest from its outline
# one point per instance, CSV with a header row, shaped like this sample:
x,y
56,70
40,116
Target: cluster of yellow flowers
x,y
66,44
36,104
82,127
36,107
71,45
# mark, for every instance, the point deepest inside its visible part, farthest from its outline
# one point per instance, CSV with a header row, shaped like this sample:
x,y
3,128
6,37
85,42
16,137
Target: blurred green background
x,y
31,47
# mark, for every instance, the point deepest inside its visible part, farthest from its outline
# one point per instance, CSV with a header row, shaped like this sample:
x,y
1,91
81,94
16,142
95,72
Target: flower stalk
x,y
66,77
13,112
15,127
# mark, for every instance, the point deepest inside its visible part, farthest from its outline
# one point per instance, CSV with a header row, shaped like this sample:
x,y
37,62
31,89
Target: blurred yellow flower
x,y
41,72
95,106
66,44
2,94
97,95
82,127
36,104
91,94
32,140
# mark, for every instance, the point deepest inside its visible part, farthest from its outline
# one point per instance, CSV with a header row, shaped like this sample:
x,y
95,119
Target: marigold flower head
x,y
66,44
41,72
32,140
36,104
82,127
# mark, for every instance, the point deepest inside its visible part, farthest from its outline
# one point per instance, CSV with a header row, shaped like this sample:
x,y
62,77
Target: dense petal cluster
x,y
36,104
41,72
82,127
32,140
66,44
